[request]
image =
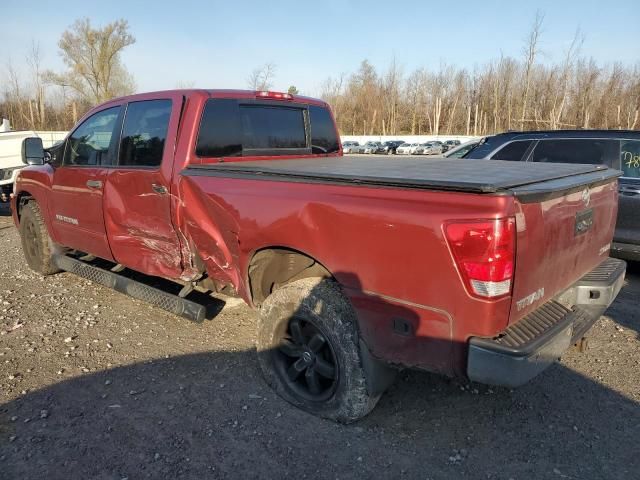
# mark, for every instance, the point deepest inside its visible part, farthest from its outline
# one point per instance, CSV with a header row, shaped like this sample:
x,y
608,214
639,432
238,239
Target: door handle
x,y
94,184
161,189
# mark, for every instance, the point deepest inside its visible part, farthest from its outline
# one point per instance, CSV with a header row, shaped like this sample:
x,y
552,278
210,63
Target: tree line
x,y
504,94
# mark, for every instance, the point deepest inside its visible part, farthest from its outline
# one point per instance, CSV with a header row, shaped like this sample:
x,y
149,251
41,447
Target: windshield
x,y
462,150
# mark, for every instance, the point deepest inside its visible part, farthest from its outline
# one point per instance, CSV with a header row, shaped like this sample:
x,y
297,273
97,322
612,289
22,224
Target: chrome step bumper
x,y
526,348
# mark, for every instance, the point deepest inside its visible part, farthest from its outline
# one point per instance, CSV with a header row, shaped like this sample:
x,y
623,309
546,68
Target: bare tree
x,y
25,100
574,93
261,78
530,52
37,103
92,55
561,93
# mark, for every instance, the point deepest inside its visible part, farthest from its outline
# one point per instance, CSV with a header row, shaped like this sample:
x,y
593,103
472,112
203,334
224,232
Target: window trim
x,y
538,137
154,168
114,133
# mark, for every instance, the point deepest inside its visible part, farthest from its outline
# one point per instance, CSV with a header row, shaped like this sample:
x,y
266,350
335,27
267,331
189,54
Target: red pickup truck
x,y
488,270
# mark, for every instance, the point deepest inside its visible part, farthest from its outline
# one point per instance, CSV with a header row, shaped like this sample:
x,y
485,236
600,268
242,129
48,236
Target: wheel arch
x,y
22,197
274,266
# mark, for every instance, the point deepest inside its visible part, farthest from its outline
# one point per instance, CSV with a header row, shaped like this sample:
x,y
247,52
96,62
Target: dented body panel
x,y
384,244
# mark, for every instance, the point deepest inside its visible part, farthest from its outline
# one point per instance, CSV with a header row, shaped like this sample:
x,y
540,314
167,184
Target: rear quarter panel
x,y
385,246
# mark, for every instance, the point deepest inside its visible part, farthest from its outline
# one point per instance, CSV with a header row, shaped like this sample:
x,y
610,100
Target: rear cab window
x,y
272,128
247,128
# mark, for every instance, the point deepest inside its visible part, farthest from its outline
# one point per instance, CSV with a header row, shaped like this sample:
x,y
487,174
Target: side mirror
x,y
32,151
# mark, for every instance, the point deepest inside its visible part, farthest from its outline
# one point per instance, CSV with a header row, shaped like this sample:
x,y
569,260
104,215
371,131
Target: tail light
x,y
274,95
484,252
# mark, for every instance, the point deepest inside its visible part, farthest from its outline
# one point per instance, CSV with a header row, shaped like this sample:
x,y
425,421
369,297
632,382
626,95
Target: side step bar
x,y
171,303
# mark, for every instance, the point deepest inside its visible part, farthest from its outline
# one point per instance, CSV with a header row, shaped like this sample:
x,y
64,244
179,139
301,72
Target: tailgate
x,y
565,228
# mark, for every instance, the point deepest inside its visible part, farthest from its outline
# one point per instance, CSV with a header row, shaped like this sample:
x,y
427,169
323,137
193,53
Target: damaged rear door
x,y
137,195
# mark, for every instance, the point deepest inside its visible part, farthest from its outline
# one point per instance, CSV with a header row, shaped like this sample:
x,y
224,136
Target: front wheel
x,y
36,243
309,351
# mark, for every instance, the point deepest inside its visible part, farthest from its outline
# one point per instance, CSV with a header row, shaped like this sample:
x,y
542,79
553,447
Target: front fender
x,y
34,182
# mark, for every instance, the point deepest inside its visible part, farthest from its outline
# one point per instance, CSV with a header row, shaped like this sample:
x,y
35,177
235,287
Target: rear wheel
x,y
308,350
36,243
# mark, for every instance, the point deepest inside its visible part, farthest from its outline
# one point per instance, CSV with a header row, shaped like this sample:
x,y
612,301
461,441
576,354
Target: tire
x,y
36,243
320,309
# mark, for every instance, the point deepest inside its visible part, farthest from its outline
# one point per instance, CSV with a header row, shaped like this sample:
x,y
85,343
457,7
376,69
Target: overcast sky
x,y
216,44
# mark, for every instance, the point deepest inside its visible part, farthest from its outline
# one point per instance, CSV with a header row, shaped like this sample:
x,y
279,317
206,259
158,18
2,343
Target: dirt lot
x,y
94,384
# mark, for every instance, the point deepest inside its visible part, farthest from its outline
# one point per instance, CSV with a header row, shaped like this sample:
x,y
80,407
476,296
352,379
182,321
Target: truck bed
x,y
487,176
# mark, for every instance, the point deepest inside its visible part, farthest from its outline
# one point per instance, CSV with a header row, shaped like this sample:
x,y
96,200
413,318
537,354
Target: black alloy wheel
x,y
306,361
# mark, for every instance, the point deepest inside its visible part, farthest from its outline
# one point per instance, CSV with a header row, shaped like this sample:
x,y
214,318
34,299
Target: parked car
x,y
461,150
491,280
449,144
617,149
407,148
389,147
10,161
429,148
369,147
350,147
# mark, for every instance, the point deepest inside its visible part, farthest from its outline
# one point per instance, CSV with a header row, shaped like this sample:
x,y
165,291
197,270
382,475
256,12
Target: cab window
x,y
324,138
144,133
512,151
583,150
267,127
230,128
90,143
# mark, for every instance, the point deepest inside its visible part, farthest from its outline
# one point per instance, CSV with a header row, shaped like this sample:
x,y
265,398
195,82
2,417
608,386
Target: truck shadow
x,y
211,415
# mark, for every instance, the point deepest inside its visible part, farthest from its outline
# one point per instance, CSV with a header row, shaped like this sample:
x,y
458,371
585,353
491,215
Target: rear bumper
x,y
628,251
526,348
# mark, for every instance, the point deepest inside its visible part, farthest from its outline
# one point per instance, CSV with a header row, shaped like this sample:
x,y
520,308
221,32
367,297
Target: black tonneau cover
x,y
479,176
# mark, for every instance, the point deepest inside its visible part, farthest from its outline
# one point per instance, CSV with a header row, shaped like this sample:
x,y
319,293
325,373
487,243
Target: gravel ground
x,y
94,384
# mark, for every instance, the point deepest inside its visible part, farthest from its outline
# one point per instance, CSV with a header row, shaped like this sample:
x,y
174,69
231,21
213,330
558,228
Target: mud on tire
x,y
325,325
36,243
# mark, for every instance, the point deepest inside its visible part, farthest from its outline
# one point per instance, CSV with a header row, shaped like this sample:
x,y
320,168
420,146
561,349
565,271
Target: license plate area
x,y
584,221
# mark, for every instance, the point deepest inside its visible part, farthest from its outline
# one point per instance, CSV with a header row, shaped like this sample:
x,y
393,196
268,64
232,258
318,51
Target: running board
x,y
171,303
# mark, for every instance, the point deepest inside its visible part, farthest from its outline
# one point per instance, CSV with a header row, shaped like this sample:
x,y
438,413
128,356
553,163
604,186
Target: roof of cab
x,y
202,93
213,93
